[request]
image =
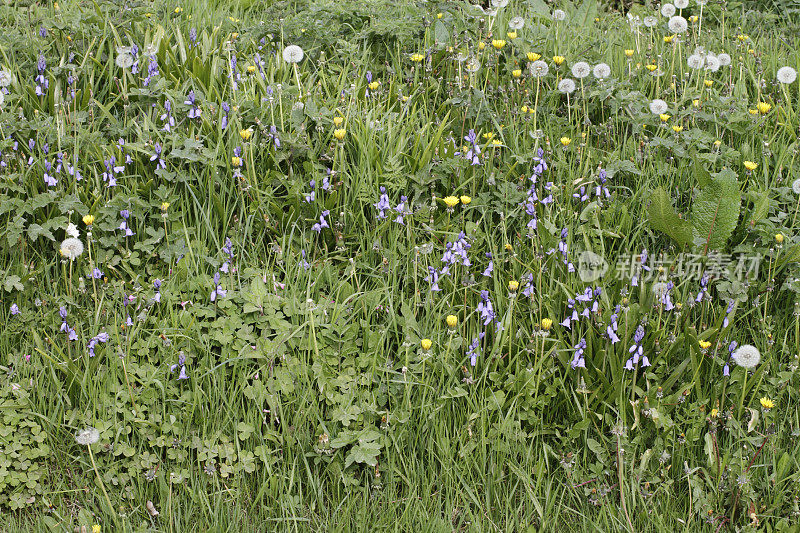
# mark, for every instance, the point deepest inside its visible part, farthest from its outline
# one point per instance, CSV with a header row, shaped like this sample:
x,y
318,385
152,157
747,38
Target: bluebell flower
x,y
726,370
194,111
728,313
97,273
601,190
157,157
181,364
218,291
474,349
125,214
322,222
433,279
578,360
14,309
486,309
401,210
383,204
167,118
225,109
101,337
637,351
42,83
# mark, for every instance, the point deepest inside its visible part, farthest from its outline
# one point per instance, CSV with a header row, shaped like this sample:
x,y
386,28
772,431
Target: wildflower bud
x,y
452,321
426,344
779,238
88,219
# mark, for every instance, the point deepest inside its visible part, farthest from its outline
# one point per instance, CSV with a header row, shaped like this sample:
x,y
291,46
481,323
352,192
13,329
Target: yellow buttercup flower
x,y
88,219
565,141
339,133
452,320
516,73
766,403
533,56
465,199
450,201
764,107
558,60
498,43
546,324
749,165
426,344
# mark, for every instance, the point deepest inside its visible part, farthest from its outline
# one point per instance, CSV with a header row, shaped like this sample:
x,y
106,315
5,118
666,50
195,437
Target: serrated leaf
x,y
716,211
663,218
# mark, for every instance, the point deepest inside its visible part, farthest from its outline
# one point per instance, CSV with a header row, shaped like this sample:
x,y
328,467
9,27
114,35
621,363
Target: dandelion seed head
x,y
71,248
601,71
566,86
87,436
658,107
747,356
293,54
581,69
786,75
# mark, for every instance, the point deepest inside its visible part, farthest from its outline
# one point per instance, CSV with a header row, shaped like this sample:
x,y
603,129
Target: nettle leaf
x,y
716,211
663,218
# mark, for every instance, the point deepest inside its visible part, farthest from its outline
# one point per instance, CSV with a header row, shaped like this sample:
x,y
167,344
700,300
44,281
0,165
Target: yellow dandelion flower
x,y
669,38
779,238
246,134
708,83
450,201
164,206
651,67
565,141
481,45
339,133
705,345
337,121
426,344
452,321
749,165
516,73
373,85
439,15
251,68
465,199
558,60
629,53
766,403
512,35
533,56
764,107
88,219
546,324
677,129
664,117
524,109
416,58
498,43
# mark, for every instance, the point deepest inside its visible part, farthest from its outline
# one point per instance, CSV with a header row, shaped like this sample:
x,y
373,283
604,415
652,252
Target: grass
x,y
252,351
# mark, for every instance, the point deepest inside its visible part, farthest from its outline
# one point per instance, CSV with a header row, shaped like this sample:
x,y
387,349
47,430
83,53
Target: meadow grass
x,y
407,279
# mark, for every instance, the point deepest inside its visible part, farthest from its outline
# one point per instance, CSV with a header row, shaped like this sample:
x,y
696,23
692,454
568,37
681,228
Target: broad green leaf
x,y
663,218
716,212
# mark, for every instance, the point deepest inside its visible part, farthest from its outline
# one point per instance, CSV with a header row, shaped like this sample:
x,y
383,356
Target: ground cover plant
x,y
375,266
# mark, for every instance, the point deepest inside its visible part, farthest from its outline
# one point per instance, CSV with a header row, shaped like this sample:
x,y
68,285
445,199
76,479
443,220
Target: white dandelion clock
x,y
695,61
516,23
473,65
87,437
712,63
796,186
681,4
650,21
747,356
72,230
667,10
566,86
678,24
124,57
581,69
293,54
71,248
601,71
558,14
499,4
724,59
786,75
5,78
658,107
539,68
